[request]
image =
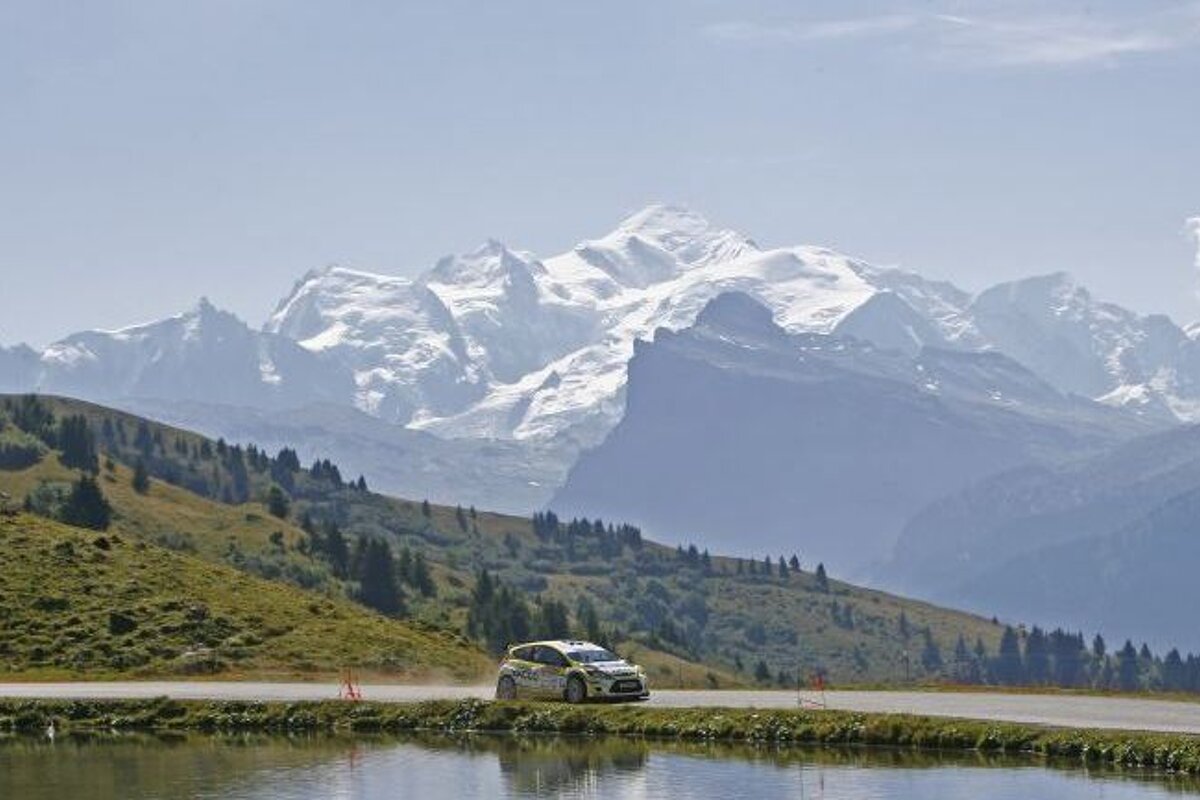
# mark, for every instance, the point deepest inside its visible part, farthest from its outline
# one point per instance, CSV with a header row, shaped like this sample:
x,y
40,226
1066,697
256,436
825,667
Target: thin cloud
x,y
1048,40
993,41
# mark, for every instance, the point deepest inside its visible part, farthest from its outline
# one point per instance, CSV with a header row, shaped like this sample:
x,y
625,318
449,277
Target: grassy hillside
x,y
692,619
78,602
244,535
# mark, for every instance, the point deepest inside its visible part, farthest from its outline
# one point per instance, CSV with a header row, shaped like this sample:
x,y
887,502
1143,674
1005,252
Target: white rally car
x,y
569,670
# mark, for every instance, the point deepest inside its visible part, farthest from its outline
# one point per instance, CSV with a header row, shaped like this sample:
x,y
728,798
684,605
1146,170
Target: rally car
x,y
569,670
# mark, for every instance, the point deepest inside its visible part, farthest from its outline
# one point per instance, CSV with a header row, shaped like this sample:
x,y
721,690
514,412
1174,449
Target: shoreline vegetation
x,y
1165,752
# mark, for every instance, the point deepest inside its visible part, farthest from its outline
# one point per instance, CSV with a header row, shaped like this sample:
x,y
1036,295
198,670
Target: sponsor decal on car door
x,y
551,671
525,672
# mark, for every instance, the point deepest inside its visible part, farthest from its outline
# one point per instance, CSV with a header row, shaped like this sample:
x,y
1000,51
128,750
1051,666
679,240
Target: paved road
x,y
1058,710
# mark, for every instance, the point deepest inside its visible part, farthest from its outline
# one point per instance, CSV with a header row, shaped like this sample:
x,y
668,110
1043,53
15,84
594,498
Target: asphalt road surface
x,y
1058,710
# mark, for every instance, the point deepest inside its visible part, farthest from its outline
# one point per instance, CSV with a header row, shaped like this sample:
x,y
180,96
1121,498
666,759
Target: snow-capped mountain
x,y
403,345
518,348
498,344
1056,328
1092,348
203,354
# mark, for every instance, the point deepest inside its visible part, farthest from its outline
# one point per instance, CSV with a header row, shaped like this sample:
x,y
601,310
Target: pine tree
x,y
1127,667
377,578
141,477
86,506
240,479
822,578
1067,651
964,665
783,568
590,621
31,415
762,673
77,445
1037,659
284,467
422,580
551,620
278,503
144,442
795,563
931,654
981,660
404,566
336,550
426,511
1173,672
497,614
287,460
1007,667
1098,647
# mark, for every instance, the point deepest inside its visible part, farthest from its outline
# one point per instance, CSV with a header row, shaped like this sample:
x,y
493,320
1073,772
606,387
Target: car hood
x,y
621,666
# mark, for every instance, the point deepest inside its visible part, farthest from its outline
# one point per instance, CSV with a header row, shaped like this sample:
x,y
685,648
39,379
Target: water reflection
x,y
430,766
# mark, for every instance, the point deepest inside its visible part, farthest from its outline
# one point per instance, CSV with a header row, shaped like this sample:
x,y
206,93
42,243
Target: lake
x,y
281,768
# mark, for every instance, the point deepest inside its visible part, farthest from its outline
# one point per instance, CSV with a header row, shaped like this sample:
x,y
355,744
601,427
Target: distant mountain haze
x,y
747,438
1093,542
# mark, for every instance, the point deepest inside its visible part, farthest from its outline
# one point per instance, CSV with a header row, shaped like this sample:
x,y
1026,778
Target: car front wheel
x,y
576,690
506,688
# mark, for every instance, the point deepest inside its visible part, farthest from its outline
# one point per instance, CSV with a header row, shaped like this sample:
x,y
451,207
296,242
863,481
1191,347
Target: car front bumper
x,y
632,687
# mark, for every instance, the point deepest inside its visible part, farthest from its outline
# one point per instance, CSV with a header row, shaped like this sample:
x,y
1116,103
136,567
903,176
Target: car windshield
x,y
592,656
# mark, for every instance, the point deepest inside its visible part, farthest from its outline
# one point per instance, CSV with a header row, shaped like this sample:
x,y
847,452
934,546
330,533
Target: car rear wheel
x,y
576,690
506,688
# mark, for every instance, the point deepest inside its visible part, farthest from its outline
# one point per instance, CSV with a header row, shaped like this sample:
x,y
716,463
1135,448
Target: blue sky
x,y
153,152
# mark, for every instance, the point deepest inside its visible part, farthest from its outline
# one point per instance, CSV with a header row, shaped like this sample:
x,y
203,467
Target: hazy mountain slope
x,y
749,439
947,544
1100,542
1134,583
18,368
202,354
513,477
